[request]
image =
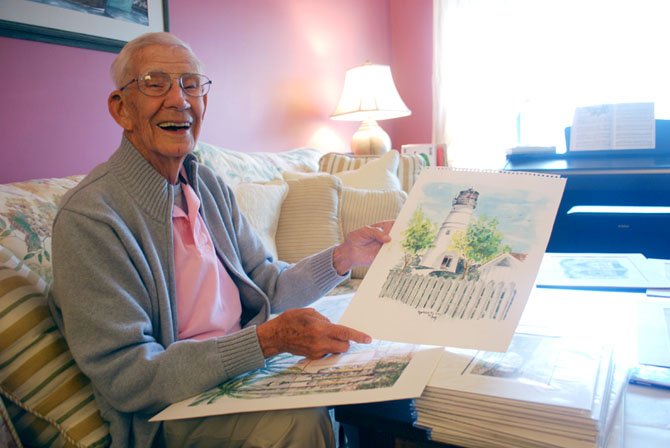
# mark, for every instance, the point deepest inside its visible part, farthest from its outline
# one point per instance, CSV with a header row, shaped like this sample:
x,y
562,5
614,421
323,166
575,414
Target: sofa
x,y
300,201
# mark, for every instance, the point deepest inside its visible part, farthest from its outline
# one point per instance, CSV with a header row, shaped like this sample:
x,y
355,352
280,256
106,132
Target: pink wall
x,y
277,66
54,118
411,27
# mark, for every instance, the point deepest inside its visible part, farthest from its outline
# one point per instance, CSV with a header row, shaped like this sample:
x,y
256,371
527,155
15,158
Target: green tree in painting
x,y
417,237
282,364
481,242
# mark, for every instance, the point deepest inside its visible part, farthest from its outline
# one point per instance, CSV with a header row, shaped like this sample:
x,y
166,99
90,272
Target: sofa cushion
x,y
49,399
235,167
409,166
364,207
354,208
377,174
27,211
261,204
308,222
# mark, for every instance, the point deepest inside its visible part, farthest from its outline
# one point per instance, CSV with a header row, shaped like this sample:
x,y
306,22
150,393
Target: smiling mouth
x,y
174,126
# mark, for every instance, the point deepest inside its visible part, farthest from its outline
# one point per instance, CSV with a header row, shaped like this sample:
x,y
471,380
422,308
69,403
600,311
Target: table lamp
x,y
369,94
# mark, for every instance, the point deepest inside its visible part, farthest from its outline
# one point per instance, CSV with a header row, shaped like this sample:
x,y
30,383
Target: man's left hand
x,y
361,246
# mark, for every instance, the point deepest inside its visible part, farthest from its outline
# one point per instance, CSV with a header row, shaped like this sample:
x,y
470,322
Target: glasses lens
x,y
154,83
194,84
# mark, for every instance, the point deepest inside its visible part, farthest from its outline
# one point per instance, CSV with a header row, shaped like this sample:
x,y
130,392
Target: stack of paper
x,y
559,384
545,391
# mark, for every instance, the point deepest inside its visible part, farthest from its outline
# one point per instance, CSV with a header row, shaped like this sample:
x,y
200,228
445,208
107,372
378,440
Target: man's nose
x,y
176,95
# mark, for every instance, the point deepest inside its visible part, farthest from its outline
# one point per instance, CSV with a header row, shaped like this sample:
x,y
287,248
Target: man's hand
x,y
361,246
307,333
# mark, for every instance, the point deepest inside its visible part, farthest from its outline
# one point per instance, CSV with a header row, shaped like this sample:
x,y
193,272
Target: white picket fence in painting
x,y
451,298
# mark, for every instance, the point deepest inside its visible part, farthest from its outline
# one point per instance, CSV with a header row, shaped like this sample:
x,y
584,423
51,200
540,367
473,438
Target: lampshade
x,y
369,94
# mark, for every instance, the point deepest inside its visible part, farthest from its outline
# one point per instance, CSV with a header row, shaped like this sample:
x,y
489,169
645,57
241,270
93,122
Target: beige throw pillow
x,y
261,204
364,207
409,166
378,174
308,222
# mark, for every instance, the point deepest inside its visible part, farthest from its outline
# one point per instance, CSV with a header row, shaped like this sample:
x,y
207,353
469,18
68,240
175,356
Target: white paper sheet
x,y
654,334
661,269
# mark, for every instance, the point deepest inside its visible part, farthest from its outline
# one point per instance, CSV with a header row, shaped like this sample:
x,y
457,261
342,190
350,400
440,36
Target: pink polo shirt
x,y
208,301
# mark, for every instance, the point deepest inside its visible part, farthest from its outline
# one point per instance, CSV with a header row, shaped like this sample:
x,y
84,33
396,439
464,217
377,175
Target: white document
x,y
613,127
661,269
465,251
654,332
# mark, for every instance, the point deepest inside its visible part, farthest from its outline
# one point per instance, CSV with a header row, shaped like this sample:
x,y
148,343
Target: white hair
x,y
122,65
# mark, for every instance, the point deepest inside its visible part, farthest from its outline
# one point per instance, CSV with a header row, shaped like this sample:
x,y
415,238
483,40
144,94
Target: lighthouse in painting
x,y
440,256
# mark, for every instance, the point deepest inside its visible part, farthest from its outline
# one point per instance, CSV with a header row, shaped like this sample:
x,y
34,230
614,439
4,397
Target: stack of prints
x,y
544,391
560,383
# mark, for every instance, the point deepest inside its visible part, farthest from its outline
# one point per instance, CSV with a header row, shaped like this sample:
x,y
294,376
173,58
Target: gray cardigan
x,y
113,294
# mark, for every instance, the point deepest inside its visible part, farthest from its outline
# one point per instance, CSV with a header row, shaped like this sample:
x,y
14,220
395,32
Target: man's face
x,y
164,129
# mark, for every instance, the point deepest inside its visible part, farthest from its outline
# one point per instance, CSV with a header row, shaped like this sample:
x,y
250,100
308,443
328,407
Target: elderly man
x,y
161,287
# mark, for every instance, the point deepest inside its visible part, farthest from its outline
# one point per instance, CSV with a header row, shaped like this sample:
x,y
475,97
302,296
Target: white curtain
x,y
511,72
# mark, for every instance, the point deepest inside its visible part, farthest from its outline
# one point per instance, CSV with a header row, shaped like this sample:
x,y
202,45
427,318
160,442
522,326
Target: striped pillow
x,y
308,221
48,398
409,167
364,207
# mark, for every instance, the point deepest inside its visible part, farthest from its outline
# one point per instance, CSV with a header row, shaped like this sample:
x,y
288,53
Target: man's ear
x,y
118,109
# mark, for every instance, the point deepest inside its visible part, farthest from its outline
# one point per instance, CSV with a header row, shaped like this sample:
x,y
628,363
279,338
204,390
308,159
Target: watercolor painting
x,y
367,372
465,251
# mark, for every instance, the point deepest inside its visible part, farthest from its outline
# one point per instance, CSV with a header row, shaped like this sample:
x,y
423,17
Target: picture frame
x,y
105,25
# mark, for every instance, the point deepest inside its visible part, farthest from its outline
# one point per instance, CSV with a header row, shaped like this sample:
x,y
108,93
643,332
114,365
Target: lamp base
x,y
370,139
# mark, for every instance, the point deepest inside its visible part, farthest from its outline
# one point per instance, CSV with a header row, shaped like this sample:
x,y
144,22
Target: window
x,y
512,72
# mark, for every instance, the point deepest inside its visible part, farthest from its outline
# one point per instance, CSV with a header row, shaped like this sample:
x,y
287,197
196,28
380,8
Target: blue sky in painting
x,y
514,209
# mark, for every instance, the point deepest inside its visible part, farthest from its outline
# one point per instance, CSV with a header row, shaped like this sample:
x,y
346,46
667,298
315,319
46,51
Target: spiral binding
x,y
491,171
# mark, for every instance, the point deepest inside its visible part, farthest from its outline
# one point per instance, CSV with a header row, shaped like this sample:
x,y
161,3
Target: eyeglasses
x,y
159,83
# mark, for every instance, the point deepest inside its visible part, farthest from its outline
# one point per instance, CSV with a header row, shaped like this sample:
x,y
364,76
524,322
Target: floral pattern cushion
x,y
236,167
27,211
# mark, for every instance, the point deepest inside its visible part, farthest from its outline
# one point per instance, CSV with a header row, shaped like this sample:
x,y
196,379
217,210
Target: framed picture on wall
x,y
96,24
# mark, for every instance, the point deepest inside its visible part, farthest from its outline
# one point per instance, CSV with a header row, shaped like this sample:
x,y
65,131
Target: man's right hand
x,y
307,333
